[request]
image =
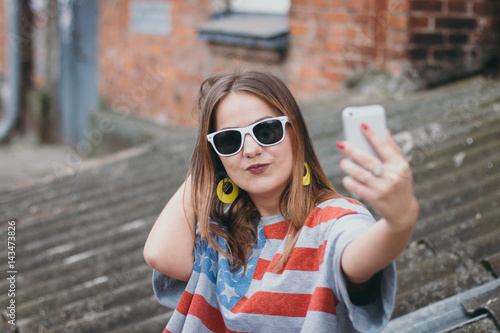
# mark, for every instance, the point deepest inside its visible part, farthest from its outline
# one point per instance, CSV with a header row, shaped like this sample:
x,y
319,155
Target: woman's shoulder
x,y
341,202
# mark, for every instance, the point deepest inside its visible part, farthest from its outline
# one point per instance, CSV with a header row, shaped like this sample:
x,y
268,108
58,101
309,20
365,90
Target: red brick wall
x,y
157,77
321,54
328,41
181,60
449,39
332,39
3,38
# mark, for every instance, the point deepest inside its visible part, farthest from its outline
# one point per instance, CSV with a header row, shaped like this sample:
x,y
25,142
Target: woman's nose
x,y
250,147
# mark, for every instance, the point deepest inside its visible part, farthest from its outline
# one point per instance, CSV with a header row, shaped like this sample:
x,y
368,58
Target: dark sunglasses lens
x,y
269,132
227,142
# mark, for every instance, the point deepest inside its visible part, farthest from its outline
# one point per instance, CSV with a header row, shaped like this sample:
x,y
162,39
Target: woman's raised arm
x,y
170,244
387,185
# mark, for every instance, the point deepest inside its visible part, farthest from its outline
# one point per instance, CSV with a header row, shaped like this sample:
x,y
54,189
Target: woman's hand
x,y
386,183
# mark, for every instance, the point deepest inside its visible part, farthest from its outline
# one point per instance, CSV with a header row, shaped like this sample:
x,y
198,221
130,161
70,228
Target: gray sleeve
x,y
168,291
368,318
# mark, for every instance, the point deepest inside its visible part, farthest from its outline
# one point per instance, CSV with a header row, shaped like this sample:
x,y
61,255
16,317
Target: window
x,y
260,6
259,24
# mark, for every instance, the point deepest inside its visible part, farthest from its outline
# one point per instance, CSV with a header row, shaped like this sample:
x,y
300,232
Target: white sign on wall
x,y
261,6
150,17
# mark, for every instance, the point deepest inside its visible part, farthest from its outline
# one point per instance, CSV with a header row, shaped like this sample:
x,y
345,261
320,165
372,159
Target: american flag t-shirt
x,y
308,295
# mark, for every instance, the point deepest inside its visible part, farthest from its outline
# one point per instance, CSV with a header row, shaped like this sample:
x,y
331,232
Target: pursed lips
x,y
257,168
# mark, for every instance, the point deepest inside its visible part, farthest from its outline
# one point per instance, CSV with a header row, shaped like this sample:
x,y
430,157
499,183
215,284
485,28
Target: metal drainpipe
x,y
12,100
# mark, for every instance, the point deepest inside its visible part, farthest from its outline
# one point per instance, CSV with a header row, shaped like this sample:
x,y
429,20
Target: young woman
x,y
258,240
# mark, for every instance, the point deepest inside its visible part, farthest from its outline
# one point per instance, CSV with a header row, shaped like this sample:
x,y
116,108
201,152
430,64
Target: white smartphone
x,y
354,116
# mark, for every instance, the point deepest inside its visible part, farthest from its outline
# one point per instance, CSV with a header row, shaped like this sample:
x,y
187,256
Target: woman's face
x,y
263,172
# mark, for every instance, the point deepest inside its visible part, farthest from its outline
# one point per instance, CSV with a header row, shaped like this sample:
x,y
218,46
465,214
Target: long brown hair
x,y
236,225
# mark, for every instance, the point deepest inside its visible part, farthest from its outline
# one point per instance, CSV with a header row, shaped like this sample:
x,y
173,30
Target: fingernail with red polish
x,y
339,145
364,126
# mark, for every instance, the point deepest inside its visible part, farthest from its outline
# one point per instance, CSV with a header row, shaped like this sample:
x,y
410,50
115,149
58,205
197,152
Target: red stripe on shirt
x,y
276,230
322,215
324,300
184,303
321,252
196,305
302,259
274,304
208,315
261,268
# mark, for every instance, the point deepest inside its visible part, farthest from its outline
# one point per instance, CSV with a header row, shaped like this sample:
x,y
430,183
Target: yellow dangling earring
x,y
227,185
306,180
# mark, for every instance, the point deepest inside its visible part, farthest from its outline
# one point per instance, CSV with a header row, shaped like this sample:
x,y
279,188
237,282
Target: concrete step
x,y
446,198
414,254
54,277
472,147
103,182
454,236
471,175
152,324
95,296
99,321
429,224
481,247
484,325
472,163
452,314
153,194
492,262
85,248
438,289
85,174
437,267
100,218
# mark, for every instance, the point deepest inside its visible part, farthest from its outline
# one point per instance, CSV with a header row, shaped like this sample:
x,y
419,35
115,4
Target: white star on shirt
x,y
254,254
213,267
229,292
201,256
235,274
249,267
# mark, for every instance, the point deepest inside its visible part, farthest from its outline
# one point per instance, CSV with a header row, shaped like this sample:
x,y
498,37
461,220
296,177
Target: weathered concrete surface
x,y
80,234
486,325
25,162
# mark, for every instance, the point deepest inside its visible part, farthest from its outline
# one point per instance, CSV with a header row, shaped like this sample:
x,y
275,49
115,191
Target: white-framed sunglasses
x,y
267,132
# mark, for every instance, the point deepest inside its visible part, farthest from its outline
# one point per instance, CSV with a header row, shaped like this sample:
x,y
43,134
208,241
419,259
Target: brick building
x,y
153,55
